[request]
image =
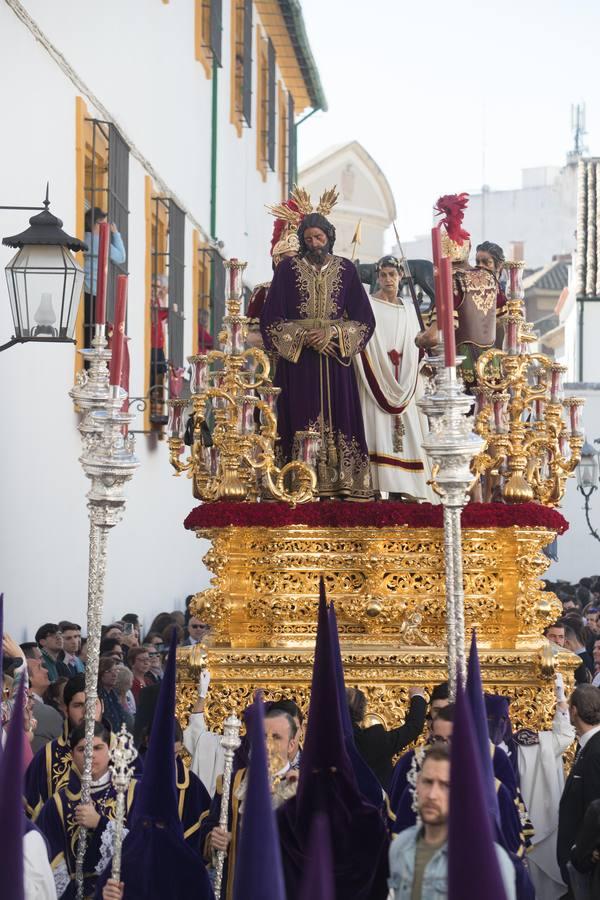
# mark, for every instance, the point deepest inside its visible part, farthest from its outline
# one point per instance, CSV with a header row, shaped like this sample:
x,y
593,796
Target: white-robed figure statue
x,y
389,384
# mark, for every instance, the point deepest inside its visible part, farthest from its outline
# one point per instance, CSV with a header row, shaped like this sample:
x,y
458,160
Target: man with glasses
x,y
196,632
50,641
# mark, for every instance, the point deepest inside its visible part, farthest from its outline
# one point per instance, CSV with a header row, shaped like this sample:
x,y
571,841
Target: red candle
x,y
102,272
118,338
436,245
448,311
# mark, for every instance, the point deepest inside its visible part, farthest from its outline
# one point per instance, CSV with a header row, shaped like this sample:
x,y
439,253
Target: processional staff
x,y
230,742
122,757
109,462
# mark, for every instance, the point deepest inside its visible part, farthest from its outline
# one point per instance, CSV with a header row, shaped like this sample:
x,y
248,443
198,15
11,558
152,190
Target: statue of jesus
x,y
317,317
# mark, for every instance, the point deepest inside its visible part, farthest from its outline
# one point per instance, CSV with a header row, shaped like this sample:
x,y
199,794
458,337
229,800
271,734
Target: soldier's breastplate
x,y
477,312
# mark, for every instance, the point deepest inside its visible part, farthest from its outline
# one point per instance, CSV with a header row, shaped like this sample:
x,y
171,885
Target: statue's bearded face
x,y
317,244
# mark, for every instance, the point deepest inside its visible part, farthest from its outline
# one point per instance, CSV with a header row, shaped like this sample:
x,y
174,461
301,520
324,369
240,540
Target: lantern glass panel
x,y
587,470
44,287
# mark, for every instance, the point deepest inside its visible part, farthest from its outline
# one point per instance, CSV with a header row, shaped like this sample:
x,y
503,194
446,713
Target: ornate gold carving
x,y
267,581
530,449
385,677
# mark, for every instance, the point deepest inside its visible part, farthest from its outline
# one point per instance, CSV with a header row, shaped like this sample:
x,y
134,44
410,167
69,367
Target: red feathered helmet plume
x,y
452,207
281,226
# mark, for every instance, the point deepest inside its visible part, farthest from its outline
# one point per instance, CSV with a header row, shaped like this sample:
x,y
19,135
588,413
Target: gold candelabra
x,y
533,434
233,405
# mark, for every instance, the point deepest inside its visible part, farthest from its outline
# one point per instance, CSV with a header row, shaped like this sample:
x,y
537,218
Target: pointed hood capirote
x,y
324,749
473,867
318,882
156,861
12,820
367,781
258,870
474,692
327,785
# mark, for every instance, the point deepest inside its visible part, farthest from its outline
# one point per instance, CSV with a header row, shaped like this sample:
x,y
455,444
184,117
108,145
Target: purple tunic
x,y
319,392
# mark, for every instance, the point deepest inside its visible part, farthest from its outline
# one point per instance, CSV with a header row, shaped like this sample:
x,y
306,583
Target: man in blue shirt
x,y
419,855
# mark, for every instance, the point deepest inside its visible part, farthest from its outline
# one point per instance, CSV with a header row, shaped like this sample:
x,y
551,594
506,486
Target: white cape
x,y
397,465
542,781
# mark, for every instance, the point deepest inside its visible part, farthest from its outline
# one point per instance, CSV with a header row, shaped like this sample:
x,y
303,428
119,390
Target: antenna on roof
x,y
579,132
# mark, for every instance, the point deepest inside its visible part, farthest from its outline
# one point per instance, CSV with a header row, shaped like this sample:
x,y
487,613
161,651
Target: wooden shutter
x,y
216,28
291,173
176,283
271,106
247,85
118,207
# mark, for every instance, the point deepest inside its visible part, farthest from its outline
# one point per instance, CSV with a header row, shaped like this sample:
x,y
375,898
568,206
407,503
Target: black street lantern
x,y
44,280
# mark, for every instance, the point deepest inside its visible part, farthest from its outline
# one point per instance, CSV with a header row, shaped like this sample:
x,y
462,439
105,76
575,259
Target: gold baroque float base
x,y
385,676
387,584
388,588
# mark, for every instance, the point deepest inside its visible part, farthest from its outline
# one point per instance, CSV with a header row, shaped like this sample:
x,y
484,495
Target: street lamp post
x,y
588,472
44,280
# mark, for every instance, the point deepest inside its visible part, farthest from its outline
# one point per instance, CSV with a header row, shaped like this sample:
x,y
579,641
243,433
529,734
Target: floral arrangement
x,y
377,514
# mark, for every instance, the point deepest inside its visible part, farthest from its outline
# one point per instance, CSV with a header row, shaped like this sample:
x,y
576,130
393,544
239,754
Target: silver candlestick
x,y
230,742
122,756
451,444
91,390
109,462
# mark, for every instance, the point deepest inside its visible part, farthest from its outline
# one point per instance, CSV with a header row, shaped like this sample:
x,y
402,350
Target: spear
x,y
356,239
409,278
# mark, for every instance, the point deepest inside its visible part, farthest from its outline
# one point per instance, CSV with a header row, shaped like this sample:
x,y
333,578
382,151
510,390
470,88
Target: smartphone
x,y
127,627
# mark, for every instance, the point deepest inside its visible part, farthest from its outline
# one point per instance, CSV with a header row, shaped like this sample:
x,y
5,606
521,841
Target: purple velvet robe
x,y
318,391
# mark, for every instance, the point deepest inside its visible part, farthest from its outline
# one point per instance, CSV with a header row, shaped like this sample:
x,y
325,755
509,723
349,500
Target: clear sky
x,y
447,96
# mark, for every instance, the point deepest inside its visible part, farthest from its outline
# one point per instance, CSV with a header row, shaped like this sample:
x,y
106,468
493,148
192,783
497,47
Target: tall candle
x,y
436,246
118,338
448,311
102,272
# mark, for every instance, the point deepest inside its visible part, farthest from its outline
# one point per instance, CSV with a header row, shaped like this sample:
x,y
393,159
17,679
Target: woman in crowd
x,y
113,711
123,689
63,815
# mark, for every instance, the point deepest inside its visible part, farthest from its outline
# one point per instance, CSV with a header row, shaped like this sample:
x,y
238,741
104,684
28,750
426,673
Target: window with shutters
x,y
159,310
208,16
282,142
176,285
241,64
202,339
106,189
262,105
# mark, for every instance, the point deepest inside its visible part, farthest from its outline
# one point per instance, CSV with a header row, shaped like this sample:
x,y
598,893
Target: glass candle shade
x,y
308,446
177,418
269,396
575,424
564,446
237,337
511,336
199,382
515,281
556,383
233,281
538,410
500,414
246,416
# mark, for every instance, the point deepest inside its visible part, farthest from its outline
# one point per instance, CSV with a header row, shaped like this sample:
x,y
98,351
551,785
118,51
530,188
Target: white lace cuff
x,y
106,845
62,879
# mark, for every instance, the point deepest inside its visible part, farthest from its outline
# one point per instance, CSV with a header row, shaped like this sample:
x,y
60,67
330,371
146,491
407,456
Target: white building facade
x,y
535,222
178,119
366,201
